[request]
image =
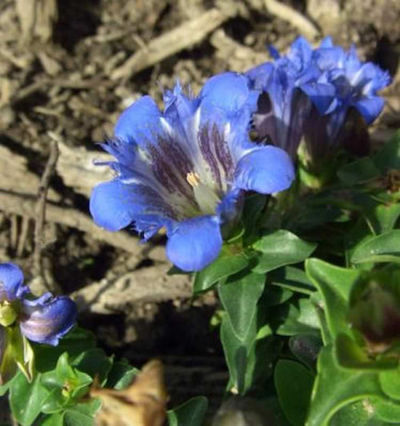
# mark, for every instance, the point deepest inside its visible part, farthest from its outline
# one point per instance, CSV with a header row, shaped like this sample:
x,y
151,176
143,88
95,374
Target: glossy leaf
x,y
27,399
191,413
235,351
281,248
225,265
121,375
358,172
239,297
293,383
94,362
388,158
293,279
382,248
334,285
336,387
356,414
301,318
390,382
386,410
74,343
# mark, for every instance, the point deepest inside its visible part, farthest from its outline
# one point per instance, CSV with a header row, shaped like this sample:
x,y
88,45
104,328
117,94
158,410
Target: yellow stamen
x,y
193,179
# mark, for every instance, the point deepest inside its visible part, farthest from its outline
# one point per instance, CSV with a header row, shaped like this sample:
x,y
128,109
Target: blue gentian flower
x,y
184,170
289,87
44,320
356,84
312,93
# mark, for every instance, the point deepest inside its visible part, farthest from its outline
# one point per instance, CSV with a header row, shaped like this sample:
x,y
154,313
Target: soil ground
x,y
71,83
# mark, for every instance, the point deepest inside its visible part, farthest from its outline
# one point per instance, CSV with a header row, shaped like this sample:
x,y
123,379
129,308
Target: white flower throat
x,y
205,197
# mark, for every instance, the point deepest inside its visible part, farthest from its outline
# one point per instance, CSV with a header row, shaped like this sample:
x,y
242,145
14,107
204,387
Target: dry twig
x,y
171,42
24,205
40,213
299,21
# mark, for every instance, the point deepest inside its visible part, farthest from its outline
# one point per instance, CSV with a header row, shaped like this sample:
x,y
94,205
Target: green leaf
x,y
235,351
254,204
336,387
27,399
293,279
293,384
191,413
261,356
383,217
389,156
356,414
386,410
382,248
225,265
334,284
281,248
301,318
56,419
239,297
82,414
359,171
350,355
121,375
74,343
94,362
390,382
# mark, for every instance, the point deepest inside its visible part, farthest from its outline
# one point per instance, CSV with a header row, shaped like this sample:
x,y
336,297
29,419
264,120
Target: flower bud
x,y
375,308
8,315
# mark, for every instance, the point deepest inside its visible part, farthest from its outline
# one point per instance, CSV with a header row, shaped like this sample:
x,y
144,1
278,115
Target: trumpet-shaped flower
x,y
185,169
44,320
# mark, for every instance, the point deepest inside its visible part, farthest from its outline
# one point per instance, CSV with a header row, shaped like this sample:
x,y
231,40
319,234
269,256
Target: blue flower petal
x,y
370,108
230,206
326,42
300,52
260,75
265,170
138,122
11,279
112,205
322,96
195,243
47,319
228,91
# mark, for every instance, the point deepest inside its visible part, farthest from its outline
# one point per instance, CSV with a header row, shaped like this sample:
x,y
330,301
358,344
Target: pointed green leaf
x,y
388,158
293,279
293,383
336,387
225,265
334,285
390,382
239,297
281,248
382,248
191,413
27,399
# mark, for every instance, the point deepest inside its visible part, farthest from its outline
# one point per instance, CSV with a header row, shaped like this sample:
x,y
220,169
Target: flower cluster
x,y
312,93
184,170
